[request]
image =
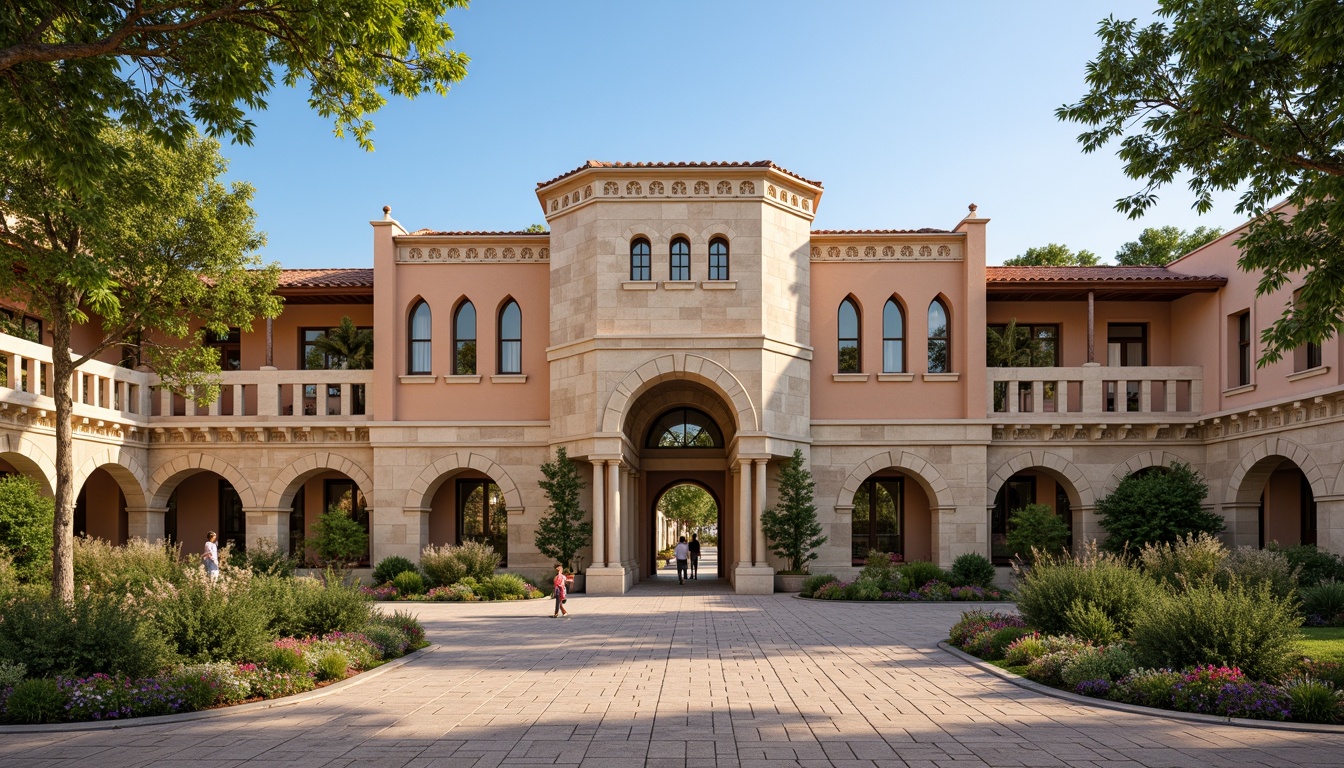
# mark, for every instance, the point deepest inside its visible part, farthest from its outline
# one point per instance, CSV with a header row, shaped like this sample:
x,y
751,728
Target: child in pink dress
x,y
561,583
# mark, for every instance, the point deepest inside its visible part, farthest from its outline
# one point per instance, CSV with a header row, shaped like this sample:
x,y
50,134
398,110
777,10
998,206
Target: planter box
x,y
790,583
577,586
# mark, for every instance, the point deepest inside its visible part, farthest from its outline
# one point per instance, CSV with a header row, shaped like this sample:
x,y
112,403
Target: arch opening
x,y
1030,485
689,511
468,505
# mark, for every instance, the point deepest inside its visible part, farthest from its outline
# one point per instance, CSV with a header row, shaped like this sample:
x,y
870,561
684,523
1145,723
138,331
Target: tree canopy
x,y
1053,255
1159,246
690,507
1235,95
69,70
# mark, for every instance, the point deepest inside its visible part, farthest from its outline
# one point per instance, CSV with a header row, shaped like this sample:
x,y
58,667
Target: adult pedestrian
x,y
682,552
695,555
210,558
561,583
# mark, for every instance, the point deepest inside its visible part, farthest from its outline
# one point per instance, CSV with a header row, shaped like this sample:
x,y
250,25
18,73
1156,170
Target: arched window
x,y
419,359
893,338
639,260
940,338
848,333
684,428
464,340
681,259
511,338
718,259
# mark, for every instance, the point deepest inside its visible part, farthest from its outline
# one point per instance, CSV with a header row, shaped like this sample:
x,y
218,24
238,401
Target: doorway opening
x,y
687,510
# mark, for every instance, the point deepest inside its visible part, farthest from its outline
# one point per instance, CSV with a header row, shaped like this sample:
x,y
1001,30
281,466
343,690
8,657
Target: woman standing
x,y
210,558
561,584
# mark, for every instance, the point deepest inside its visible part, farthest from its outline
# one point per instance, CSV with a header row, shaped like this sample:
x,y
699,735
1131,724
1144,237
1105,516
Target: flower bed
x,y
933,591
499,587
887,577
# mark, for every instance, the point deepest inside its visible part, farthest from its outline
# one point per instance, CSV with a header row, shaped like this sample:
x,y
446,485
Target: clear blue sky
x,y
906,112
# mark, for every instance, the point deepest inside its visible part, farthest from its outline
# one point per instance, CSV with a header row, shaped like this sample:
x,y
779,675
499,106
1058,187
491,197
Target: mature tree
x,y
690,507
1159,246
1053,255
562,531
1013,346
791,527
1157,506
1237,95
69,70
346,346
163,246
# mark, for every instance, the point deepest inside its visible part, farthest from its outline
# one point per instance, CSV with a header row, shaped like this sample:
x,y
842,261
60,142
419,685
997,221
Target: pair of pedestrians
x,y
688,558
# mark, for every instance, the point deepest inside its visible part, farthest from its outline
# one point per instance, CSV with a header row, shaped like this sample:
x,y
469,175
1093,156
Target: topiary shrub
x,y
812,583
1190,558
389,567
1159,505
1049,589
36,701
409,583
1036,528
972,569
1088,622
332,665
917,573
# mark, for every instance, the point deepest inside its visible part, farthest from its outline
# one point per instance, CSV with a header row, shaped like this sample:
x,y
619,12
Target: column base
x,y
754,580
604,580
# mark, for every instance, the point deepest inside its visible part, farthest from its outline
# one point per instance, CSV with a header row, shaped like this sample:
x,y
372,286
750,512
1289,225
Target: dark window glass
x,y
893,338
639,260
464,340
848,337
681,260
1033,346
230,348
1313,355
1244,349
1308,501
684,428
940,339
232,521
419,360
1127,344
718,259
344,496
511,338
878,520
298,523
482,516
1016,493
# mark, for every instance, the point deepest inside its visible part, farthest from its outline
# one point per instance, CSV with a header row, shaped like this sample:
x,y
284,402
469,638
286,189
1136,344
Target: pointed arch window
x,y
893,338
464,340
419,358
718,259
639,260
511,338
940,338
848,337
681,259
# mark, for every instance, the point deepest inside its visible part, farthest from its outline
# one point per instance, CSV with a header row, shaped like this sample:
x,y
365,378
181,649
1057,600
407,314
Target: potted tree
x,y
791,528
562,532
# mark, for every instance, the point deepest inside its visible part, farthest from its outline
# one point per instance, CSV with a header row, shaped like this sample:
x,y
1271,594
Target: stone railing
x,y
1095,392
100,391
274,394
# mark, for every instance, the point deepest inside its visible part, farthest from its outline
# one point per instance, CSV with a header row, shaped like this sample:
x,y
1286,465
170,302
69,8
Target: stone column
x,y
1243,524
606,576
744,525
751,576
145,522
1330,522
1086,527
268,523
617,542
758,508
599,514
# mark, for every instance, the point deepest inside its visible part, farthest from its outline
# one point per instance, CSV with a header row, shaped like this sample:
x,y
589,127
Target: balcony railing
x,y
99,390
1097,391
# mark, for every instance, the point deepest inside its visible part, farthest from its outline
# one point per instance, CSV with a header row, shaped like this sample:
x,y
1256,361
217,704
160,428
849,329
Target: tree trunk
x,y
62,370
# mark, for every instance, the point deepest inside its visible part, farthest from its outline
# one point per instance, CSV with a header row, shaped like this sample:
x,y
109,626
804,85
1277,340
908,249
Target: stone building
x,y
684,323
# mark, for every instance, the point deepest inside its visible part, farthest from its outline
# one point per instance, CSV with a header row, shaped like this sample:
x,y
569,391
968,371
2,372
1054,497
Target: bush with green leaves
x,y
389,567
1249,627
1087,622
95,633
1108,662
917,573
205,620
1324,600
1054,583
39,700
1314,565
26,525
972,569
265,558
131,568
502,586
1025,650
409,583
1314,701
883,569
1190,558
791,527
285,660
404,622
332,665
338,538
1159,505
390,642
330,604
205,685
11,672
812,583
1252,566
445,566
1036,528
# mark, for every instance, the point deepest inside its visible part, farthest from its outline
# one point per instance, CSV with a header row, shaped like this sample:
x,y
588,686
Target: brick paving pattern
x,y
679,677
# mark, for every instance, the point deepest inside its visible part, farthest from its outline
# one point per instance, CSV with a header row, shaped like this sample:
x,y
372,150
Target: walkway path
x,y
673,677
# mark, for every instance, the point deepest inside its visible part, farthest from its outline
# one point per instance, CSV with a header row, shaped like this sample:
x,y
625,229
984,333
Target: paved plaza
x,y
670,676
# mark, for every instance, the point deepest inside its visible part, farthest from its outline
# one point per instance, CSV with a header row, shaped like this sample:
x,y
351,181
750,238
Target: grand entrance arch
x,y
702,500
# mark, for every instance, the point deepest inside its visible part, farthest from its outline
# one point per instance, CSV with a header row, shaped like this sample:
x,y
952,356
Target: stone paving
x,y
679,677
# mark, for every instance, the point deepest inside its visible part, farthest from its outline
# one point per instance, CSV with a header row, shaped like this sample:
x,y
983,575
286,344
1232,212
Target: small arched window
x,y
848,333
684,428
893,338
464,340
639,260
419,361
940,338
511,338
681,259
718,259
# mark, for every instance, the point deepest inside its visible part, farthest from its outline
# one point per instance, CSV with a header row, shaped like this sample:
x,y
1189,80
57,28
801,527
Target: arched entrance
x,y
1286,505
200,501
688,508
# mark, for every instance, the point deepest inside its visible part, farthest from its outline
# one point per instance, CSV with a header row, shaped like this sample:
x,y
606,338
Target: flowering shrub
x,y
104,697
834,590
267,684
361,653
1098,688
384,592
205,685
1024,650
1210,690
975,593
973,623
404,623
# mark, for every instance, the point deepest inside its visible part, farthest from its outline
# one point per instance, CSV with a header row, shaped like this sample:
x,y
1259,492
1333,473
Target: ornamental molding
x,y
797,198
886,250
460,253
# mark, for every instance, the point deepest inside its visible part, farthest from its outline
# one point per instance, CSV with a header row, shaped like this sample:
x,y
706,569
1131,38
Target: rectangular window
x,y
19,324
681,266
1313,355
1244,348
310,359
1308,355
639,267
878,519
232,520
482,516
1036,346
1018,492
1127,344
718,266
230,349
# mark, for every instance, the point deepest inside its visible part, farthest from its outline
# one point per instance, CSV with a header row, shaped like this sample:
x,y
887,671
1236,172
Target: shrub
x,y
1192,557
265,558
269,684
791,527
389,567
1157,506
9,577
831,590
1315,565
132,568
1036,528
503,586
402,621
338,538
1331,672
359,652
332,665
1049,669
330,605
1109,663
1049,589
409,583
1001,639
1024,650
1226,691
205,620
204,685
863,590
457,593
1148,688
1246,627
26,523
285,660
11,673
1314,701
1251,566
883,569
974,622
1325,600
445,566
562,531
812,583
93,634
917,573
35,701
1088,622
390,642
972,569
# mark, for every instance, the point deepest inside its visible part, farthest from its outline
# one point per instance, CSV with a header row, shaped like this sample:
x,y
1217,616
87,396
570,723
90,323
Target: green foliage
x,y
1191,558
11,673
1238,626
502,586
1013,346
1110,662
265,558
409,583
1314,701
1088,622
402,621
389,567
338,538
332,665
690,507
1252,566
1236,96
1036,528
105,568
1157,506
882,569
441,566
1053,255
1159,246
1024,650
36,701
1314,565
346,346
205,621
26,518
812,583
917,573
562,531
791,527
972,569
330,605
863,590
1054,583
92,634
1324,600
285,660
391,642
999,641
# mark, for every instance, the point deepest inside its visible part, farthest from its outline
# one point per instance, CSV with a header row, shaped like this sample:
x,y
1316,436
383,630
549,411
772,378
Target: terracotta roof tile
x,y
326,278
716,164
1088,274
921,231
463,233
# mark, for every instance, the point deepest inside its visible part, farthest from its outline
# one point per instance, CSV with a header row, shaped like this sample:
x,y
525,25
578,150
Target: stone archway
x,y
1076,483
129,474
679,366
923,473
1246,481
1139,462
166,478
31,461
285,484
431,477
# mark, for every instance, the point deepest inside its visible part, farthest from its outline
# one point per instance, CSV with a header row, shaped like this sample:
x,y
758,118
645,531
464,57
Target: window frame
x,y
230,347
1244,348
463,493
898,499
1032,329
459,341
654,441
679,262
945,339
893,304
228,497
502,339
1123,341
641,272
719,271
998,519
857,338
412,340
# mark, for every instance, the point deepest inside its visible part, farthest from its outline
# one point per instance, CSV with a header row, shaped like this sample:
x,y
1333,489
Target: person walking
x,y
694,548
681,552
210,558
561,583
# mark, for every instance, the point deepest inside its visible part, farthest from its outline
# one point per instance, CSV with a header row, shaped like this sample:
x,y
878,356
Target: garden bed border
x,y
907,602
1133,709
205,714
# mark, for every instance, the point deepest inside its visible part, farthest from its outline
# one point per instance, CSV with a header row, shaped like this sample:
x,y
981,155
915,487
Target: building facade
x,y
684,323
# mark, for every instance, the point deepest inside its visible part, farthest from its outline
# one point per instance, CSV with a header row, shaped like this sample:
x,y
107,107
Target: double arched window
x,y
464,339
893,337
640,266
510,338
419,359
718,259
848,337
940,338
681,259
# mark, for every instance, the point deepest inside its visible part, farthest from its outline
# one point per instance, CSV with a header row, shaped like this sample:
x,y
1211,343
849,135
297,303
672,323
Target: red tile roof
x,y
921,231
717,164
463,233
1089,274
326,278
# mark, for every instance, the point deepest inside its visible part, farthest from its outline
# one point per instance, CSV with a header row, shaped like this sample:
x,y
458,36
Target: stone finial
x,y
387,213
973,208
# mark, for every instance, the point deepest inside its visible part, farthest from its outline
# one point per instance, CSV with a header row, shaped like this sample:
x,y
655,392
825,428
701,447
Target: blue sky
x,y
907,112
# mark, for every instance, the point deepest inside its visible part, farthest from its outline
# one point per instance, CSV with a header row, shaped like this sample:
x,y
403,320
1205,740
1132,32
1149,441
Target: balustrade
x,y
1096,391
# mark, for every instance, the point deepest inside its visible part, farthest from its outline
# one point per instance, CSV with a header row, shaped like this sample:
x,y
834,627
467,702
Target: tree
x,y
339,539
1036,528
1159,246
1158,506
1014,347
26,527
164,246
343,347
690,507
562,532
538,229
71,70
1237,95
791,527
1053,255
